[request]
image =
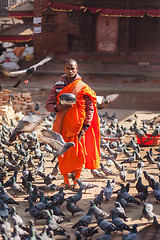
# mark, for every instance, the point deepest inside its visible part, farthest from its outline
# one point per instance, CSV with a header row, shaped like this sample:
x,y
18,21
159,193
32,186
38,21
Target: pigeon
x,y
147,211
48,178
124,194
105,236
143,195
150,232
123,174
130,160
16,219
138,173
85,220
156,191
117,165
88,232
6,198
85,185
97,212
118,222
27,124
96,173
16,188
139,185
72,208
149,158
56,141
76,197
119,211
132,234
4,210
26,73
55,227
34,212
106,170
108,191
105,225
99,198
48,188
5,227
55,170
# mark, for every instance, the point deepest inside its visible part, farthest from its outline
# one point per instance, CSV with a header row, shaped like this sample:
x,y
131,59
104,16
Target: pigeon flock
x,y
120,200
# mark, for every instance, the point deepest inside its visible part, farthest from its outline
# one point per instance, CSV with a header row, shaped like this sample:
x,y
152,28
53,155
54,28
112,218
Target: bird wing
x,y
46,59
28,123
53,135
23,72
111,97
55,145
14,74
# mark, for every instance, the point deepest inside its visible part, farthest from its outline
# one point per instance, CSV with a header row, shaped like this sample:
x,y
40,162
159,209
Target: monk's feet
x,y
65,186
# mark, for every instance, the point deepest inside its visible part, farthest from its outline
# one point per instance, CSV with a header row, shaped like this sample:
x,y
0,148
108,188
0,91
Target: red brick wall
x,y
55,40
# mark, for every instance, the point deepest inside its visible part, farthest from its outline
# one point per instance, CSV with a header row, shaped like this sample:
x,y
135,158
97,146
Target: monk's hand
x,y
81,135
61,107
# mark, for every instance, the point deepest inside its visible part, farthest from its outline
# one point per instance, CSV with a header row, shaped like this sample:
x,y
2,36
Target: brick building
x,y
108,31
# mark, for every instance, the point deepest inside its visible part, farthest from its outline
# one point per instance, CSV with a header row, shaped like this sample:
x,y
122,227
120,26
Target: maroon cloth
x,y
52,101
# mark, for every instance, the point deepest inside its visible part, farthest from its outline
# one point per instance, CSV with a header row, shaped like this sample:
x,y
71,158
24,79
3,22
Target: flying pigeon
x,y
26,73
27,124
56,141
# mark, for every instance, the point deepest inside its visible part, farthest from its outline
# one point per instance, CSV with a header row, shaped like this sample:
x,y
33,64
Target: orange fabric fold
x,y
86,152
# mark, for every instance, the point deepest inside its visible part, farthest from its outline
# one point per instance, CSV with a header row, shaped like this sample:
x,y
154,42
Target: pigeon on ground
x,y
56,141
55,169
97,174
124,194
99,198
118,222
87,232
130,160
16,188
108,191
76,197
143,195
97,212
85,185
6,198
150,232
4,210
85,220
149,158
105,225
119,211
16,219
27,124
118,165
139,185
147,211
72,208
55,227
106,170
156,191
48,178
132,234
123,174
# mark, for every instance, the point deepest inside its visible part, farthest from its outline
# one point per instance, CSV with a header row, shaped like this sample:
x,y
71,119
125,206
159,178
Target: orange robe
x,y
86,152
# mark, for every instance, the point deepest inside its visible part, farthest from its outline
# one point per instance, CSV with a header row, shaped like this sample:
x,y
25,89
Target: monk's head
x,y
70,69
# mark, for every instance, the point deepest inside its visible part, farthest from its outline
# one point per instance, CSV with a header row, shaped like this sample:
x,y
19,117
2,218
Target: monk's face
x,y
70,70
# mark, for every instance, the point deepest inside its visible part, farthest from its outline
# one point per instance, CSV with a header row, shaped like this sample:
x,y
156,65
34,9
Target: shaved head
x,y
71,61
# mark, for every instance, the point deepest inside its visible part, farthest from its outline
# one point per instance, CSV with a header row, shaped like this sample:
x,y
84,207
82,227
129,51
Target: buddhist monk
x,y
78,123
